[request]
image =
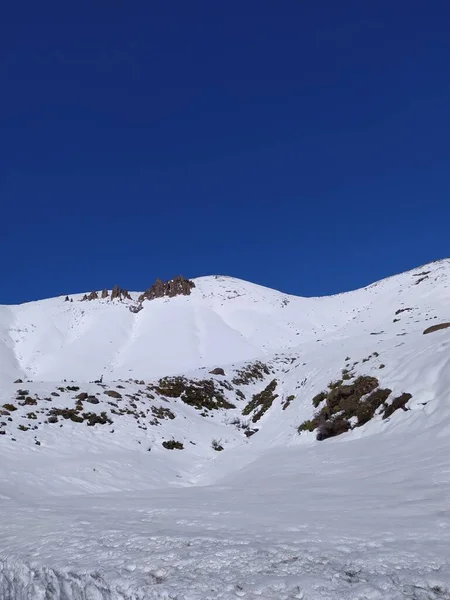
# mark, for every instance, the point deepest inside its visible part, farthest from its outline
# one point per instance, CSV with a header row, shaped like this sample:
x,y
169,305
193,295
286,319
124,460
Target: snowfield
x,y
93,506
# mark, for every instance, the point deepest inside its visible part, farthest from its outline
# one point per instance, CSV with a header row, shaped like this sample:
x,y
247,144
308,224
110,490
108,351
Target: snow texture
x,y
106,512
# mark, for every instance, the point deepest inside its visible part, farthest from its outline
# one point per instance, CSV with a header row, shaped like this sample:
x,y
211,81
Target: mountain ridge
x,y
258,446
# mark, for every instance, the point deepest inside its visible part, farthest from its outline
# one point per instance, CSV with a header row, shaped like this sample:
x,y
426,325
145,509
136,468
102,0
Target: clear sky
x,y
302,145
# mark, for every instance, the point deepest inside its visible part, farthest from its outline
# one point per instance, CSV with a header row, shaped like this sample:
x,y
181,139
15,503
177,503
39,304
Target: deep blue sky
x,y
301,145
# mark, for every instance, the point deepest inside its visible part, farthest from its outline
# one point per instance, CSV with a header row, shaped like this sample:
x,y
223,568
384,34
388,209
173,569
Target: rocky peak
x,y
178,286
92,296
116,292
120,293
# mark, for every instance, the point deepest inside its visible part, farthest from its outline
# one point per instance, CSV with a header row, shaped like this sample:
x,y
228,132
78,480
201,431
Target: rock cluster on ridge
x,y
178,286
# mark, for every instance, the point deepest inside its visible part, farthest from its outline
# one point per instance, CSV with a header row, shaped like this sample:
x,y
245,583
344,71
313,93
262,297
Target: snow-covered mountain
x,y
168,447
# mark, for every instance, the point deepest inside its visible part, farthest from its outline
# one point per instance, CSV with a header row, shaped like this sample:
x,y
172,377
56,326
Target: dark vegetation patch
x,y
436,328
10,407
347,375
334,384
201,394
173,445
318,398
251,373
262,401
160,412
288,401
351,405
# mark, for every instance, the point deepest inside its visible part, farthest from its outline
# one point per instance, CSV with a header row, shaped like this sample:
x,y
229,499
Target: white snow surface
x,y
106,512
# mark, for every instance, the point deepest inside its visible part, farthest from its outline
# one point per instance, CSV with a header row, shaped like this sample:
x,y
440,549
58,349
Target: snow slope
x,y
105,511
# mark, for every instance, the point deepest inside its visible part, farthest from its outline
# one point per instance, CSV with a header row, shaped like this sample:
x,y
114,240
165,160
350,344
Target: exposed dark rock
x,y
249,432
105,293
18,381
436,327
397,403
65,413
92,400
217,371
329,429
29,401
94,419
113,394
178,286
135,308
400,310
67,299
120,293
421,279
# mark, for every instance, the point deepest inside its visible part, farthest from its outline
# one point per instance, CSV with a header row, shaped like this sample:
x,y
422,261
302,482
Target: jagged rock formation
x,y
116,292
120,293
178,286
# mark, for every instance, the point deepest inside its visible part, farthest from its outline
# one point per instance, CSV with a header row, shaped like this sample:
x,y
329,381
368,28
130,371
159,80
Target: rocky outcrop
x,y
116,292
120,293
91,296
217,371
178,286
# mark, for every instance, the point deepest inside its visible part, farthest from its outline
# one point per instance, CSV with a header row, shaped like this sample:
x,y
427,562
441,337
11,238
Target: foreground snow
x,y
105,512
361,519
